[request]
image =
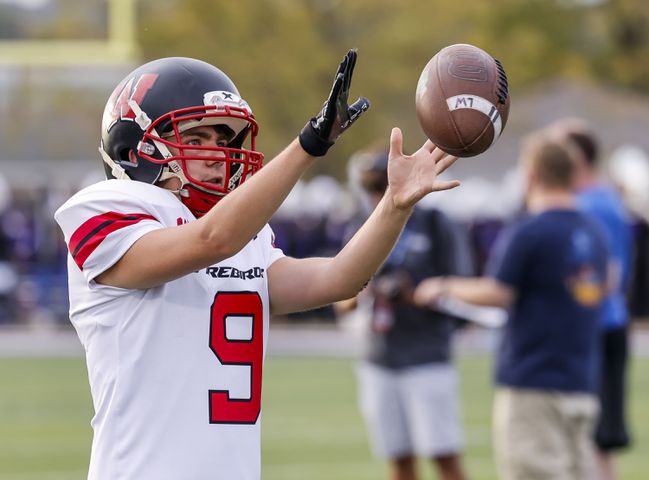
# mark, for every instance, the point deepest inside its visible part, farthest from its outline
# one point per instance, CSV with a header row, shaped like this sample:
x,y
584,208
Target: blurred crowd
x,y
33,278
313,221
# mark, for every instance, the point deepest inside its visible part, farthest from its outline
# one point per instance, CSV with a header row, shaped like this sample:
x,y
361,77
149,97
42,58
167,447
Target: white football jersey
x,y
175,370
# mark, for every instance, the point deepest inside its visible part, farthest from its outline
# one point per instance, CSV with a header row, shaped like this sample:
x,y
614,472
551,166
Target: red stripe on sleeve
x,y
92,232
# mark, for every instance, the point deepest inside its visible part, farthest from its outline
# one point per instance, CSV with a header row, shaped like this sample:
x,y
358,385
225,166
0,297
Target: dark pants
x,y
611,431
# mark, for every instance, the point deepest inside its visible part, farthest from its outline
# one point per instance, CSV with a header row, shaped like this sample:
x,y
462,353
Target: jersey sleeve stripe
x,y
92,232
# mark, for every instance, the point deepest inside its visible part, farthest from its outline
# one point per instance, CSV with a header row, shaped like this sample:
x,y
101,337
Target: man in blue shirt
x,y
605,205
549,269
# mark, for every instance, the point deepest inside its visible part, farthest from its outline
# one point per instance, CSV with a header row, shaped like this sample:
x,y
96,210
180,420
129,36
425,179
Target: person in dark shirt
x,y
604,204
550,270
408,385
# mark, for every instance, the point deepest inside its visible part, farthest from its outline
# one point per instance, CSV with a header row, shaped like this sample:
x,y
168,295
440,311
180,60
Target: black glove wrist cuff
x,y
312,143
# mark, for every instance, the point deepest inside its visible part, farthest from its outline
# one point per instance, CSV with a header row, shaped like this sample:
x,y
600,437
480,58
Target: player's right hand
x,y
336,115
411,177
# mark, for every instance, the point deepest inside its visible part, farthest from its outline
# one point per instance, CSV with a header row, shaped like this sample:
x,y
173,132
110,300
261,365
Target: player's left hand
x,y
411,177
336,116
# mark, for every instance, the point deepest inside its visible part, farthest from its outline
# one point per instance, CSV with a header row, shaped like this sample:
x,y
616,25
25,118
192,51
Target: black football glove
x,y
336,116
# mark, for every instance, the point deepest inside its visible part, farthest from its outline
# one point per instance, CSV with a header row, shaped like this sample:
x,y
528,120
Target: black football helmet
x,y
158,101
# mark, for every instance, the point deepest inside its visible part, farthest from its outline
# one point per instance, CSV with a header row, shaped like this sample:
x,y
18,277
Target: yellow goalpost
x,y
120,46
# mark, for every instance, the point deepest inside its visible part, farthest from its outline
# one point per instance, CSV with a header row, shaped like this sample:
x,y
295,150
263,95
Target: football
x,y
462,100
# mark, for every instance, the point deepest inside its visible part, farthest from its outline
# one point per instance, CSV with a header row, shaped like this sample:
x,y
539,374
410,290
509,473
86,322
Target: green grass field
x,y
311,425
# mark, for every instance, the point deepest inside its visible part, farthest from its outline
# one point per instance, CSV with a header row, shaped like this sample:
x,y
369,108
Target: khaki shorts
x,y
544,435
411,411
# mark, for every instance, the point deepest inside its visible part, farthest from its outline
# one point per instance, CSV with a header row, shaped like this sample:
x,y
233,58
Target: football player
x,y
173,274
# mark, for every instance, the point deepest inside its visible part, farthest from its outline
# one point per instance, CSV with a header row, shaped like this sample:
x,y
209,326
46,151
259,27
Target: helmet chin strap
x,y
171,169
174,170
234,179
116,169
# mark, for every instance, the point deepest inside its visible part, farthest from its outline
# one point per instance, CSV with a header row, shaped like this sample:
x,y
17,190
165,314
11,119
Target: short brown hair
x,y
374,173
582,134
552,159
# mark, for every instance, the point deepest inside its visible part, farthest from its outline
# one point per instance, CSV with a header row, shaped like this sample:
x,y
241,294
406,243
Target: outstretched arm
x,y
485,291
302,284
223,231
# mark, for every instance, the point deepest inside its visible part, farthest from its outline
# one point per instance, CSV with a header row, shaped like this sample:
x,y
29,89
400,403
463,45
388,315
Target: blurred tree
x,y
282,54
604,41
625,62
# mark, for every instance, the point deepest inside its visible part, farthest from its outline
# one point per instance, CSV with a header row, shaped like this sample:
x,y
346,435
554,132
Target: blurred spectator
x,y
638,298
8,280
629,170
311,223
550,270
603,203
483,235
33,282
408,385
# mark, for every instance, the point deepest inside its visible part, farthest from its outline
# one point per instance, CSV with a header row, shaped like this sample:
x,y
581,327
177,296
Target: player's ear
x,y
531,176
132,157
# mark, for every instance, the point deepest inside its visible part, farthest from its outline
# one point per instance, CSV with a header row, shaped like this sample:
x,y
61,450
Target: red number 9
x,y
250,352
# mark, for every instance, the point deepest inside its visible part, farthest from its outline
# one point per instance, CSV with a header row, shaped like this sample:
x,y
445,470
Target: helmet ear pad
x,y
237,141
147,172
236,168
141,170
